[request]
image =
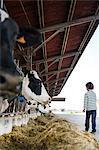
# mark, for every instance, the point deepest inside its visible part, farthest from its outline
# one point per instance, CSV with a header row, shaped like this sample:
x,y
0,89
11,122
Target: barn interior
x,y
66,28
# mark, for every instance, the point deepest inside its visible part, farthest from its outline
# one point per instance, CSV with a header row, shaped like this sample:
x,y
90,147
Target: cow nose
x,y
45,102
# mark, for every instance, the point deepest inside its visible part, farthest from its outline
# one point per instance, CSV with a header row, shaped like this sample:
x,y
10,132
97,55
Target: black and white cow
x,y
34,107
34,92
33,89
29,36
10,76
16,104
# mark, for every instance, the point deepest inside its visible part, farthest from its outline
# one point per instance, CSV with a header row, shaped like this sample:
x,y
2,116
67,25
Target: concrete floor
x,y
79,121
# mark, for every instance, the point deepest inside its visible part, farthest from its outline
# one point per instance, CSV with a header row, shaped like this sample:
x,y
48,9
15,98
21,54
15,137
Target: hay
x,y
48,133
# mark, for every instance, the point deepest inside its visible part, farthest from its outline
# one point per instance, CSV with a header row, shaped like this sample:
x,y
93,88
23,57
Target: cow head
x,y
29,36
35,84
33,88
10,76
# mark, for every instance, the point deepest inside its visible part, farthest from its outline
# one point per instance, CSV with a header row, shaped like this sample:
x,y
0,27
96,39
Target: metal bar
x,y
45,51
69,23
54,59
25,12
54,72
1,4
51,76
64,25
58,99
29,56
65,39
68,54
50,65
52,81
41,21
21,52
47,40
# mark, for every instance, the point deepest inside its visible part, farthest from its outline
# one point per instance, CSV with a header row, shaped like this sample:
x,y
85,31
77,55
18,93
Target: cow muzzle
x,y
47,101
10,84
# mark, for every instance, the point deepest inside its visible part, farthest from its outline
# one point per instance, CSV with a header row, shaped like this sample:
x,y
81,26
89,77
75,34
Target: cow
x,y
29,36
35,107
33,88
31,107
16,104
34,92
10,75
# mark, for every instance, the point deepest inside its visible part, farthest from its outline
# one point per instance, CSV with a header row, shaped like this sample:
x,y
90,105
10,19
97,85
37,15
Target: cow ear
x,y
21,40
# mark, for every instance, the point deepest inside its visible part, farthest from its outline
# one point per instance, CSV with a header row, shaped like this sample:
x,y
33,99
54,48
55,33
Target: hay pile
x,y
48,133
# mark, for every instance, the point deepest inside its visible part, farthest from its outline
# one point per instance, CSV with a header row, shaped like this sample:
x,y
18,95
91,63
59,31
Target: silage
x,y
48,133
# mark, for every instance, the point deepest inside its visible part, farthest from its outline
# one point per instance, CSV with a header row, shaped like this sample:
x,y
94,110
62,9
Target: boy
x,y
90,107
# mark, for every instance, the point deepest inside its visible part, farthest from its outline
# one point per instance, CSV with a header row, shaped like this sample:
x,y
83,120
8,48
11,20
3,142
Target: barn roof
x,y
66,26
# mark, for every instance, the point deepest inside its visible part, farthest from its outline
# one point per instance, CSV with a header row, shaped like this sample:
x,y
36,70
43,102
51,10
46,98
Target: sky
x,y
87,69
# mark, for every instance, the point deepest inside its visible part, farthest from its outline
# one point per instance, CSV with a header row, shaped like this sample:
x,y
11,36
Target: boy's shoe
x,y
86,129
93,131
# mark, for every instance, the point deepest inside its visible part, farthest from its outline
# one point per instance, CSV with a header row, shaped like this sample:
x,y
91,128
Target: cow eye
x,y
34,104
